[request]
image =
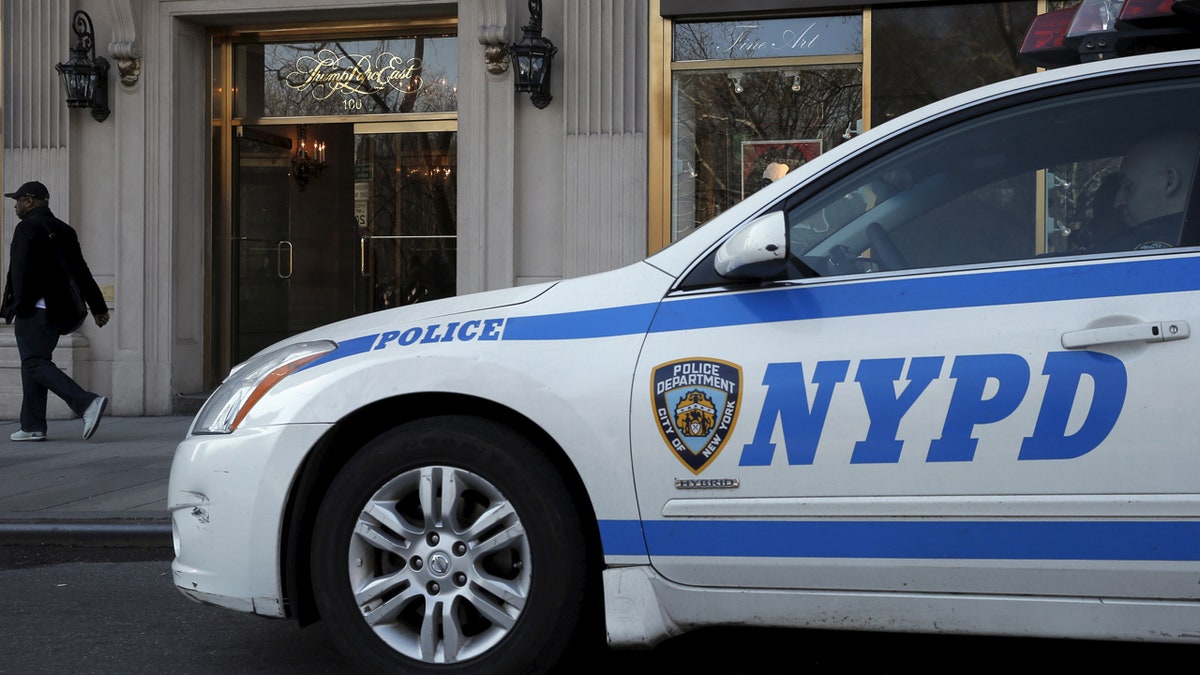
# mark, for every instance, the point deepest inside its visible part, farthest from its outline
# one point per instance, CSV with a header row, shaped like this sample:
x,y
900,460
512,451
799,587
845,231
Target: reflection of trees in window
x,y
731,124
690,42
922,54
384,76
1079,199
713,120
413,193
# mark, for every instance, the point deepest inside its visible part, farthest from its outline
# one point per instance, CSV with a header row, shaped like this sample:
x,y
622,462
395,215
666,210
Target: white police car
x,y
918,385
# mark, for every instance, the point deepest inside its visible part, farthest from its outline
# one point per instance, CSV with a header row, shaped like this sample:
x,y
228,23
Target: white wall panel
x,y
605,84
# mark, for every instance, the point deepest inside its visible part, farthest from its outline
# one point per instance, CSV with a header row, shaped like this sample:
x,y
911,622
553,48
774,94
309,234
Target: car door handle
x,y
1160,331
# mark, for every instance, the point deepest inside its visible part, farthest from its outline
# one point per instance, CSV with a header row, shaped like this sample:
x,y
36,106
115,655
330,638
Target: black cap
x,y
31,189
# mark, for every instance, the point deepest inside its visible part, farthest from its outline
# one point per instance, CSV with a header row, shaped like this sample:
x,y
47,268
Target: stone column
x,y
605,81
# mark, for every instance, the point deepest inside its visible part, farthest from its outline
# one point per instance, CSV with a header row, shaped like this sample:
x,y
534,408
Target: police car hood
x,y
638,285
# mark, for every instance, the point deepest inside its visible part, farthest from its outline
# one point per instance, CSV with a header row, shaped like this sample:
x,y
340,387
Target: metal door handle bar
x,y
410,236
280,249
362,245
1158,331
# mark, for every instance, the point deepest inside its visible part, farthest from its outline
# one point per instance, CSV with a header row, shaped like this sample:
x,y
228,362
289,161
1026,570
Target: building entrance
x,y
335,178
368,224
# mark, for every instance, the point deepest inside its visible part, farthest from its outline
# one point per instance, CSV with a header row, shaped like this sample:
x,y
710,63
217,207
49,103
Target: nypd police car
x,y
918,385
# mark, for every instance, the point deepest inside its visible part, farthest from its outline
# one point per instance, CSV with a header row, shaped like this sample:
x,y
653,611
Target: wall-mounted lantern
x,y
533,56
85,75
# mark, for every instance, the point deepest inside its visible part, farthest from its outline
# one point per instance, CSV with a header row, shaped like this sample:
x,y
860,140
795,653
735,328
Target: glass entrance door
x,y
405,203
373,228
262,244
369,221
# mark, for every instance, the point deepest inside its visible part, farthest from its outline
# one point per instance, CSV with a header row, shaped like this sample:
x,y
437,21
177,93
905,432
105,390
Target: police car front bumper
x,y
227,496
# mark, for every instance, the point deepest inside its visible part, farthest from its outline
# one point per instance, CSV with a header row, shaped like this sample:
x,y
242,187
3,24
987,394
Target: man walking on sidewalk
x,y
39,298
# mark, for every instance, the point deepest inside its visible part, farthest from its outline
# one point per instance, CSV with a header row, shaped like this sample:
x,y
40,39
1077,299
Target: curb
x,y
155,533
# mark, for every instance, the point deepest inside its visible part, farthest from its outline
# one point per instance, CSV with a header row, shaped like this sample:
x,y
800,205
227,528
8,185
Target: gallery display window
x,y
752,100
744,100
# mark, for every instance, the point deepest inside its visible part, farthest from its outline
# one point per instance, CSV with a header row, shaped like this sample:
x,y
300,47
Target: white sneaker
x,y
23,435
91,416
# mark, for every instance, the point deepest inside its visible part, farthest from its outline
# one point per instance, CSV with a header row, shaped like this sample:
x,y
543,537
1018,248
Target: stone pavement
x,y
110,490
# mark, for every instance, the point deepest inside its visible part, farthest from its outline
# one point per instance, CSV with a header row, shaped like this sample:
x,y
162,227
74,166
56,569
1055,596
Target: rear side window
x,y
1094,171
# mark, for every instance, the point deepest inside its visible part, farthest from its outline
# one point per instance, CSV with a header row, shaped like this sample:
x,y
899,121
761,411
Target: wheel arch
x,y
357,429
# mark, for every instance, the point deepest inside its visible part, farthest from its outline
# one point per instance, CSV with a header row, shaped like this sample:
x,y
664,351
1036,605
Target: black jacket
x,y
34,271
1160,232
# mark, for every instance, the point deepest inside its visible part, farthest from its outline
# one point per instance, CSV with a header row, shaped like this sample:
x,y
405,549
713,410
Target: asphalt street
x,y
85,587
112,610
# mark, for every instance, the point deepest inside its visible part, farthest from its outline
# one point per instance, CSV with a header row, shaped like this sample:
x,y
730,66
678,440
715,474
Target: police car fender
x,y
527,357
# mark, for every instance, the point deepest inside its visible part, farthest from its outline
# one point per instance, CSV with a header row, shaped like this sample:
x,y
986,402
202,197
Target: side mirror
x,y
757,251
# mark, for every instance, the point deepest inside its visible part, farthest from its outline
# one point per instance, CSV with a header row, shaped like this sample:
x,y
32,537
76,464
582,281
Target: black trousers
x,y
36,340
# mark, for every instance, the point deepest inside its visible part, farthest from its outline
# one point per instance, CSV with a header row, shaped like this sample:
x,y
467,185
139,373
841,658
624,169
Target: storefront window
x,y
416,74
737,125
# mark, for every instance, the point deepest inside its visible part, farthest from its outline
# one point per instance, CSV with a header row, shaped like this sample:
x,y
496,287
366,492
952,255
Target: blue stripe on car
x,y
861,296
345,348
975,540
850,296
592,323
1016,287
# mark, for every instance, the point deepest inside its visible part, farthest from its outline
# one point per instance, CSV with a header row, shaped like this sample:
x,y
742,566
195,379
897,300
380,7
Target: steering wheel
x,y
884,249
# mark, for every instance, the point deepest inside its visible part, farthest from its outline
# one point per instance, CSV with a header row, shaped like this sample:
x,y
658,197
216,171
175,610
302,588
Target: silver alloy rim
x,y
439,564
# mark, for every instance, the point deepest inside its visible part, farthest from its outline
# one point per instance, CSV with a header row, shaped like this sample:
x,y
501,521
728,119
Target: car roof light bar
x,y
1101,29
1095,16
1147,12
1046,38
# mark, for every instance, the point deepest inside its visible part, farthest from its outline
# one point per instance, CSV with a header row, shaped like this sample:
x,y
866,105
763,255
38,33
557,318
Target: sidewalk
x,y
110,490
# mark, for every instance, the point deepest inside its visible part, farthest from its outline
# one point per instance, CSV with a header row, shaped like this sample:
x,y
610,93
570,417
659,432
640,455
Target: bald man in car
x,y
1156,180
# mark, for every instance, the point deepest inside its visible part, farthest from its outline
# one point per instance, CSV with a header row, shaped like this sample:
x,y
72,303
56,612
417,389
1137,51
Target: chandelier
x,y
306,163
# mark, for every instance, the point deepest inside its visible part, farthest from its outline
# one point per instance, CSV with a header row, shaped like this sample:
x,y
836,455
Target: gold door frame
x,y
221,286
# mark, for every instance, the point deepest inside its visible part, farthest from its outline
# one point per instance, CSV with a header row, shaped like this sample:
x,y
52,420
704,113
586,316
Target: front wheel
x,y
450,545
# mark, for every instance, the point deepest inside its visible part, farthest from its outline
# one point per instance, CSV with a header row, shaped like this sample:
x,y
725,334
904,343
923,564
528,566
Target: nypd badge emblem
x,y
696,405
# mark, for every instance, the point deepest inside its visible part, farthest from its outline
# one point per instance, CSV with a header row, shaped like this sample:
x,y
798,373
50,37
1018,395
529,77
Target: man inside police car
x,y
37,300
1156,179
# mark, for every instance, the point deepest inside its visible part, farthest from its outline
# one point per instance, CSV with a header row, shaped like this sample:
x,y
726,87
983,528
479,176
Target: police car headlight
x,y
250,381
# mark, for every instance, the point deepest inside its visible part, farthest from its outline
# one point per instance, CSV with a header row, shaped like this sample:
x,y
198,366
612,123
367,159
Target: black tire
x,y
504,570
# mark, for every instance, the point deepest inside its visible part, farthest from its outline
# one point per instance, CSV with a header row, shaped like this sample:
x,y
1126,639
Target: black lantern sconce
x,y
85,75
533,56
